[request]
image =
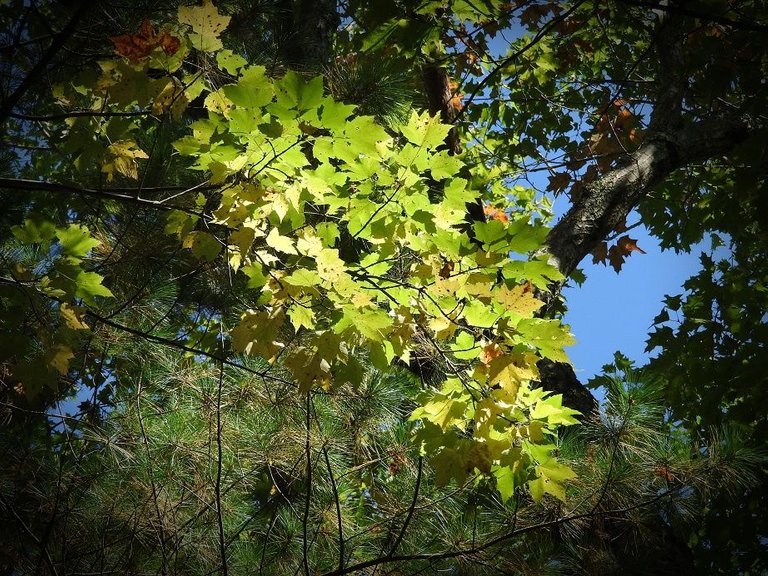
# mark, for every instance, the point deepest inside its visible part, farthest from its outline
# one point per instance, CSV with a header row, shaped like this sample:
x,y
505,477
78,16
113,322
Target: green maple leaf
x,y
300,93
334,115
204,246
76,240
372,323
465,347
253,89
553,410
89,284
256,276
364,134
549,336
424,130
301,316
35,230
230,62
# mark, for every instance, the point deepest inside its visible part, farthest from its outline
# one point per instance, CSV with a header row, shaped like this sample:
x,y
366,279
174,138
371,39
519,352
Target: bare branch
x,y
129,195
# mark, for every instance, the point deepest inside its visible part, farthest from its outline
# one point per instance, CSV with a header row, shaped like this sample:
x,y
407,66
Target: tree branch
x,y
129,195
608,200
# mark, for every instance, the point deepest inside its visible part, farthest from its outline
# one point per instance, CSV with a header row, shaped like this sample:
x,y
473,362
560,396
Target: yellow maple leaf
x,y
519,299
121,157
207,25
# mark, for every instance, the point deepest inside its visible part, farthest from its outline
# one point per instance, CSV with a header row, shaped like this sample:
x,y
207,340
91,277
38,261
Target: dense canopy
x,y
281,287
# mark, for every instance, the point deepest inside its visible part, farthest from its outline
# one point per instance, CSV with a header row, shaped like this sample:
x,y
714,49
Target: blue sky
x,y
611,312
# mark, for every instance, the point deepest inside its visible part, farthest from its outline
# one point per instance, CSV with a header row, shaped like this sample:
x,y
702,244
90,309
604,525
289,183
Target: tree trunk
x,y
305,32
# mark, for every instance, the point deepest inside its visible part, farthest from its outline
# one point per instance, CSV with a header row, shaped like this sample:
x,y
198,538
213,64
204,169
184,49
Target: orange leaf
x,y
445,271
138,46
492,213
489,353
627,245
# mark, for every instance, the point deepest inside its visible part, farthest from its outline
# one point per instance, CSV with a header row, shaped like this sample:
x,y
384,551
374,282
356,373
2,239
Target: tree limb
x,y
608,200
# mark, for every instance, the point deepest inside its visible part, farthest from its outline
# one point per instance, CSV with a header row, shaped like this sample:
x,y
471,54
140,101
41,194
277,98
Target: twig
x,y
338,507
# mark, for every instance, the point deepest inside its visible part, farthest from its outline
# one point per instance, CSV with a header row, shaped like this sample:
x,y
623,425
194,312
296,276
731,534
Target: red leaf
x,y
600,253
616,258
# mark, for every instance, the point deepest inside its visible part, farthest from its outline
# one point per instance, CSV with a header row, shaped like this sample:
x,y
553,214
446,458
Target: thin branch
x,y
219,464
340,526
411,508
129,195
511,58
305,521
179,346
448,554
152,485
76,114
56,44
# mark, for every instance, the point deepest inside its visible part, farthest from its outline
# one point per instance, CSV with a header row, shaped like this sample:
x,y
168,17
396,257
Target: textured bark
x,y
306,29
559,377
437,85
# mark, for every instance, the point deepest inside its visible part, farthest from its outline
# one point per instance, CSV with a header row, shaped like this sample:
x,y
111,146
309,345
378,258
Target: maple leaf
x,y
627,245
121,157
445,271
138,46
207,24
490,353
559,181
519,299
492,213
456,97
600,253
616,258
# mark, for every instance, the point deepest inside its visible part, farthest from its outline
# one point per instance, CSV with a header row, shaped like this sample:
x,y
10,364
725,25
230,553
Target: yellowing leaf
x,y
329,266
207,24
551,474
442,411
309,244
519,299
121,157
301,316
280,243
308,367
258,334
203,245
72,316
59,357
509,371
